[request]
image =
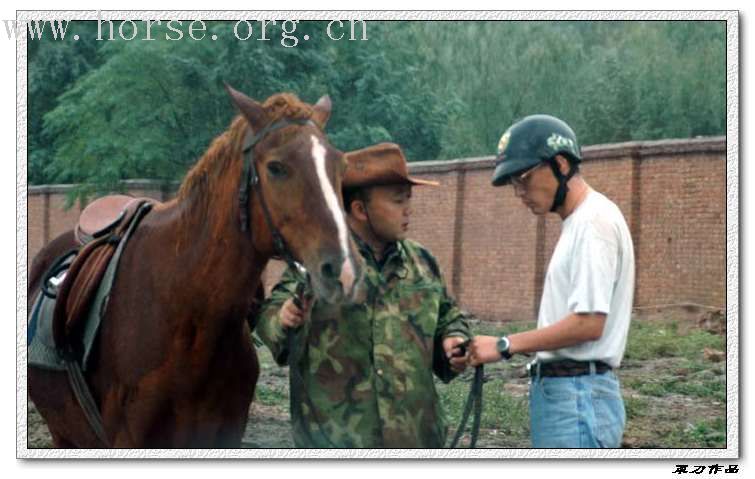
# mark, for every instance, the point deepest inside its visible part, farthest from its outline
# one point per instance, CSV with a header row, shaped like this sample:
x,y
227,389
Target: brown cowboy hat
x,y
381,164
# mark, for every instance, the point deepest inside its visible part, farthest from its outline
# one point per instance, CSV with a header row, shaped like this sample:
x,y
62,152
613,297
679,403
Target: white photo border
x,y
732,451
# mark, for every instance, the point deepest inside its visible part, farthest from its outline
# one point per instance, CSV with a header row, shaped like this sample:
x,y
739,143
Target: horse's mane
x,y
225,149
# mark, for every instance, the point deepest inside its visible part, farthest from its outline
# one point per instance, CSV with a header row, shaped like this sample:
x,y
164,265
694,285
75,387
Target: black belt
x,y
567,368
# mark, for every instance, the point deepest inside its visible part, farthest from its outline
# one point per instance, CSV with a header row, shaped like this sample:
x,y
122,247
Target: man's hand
x,y
456,357
483,349
291,315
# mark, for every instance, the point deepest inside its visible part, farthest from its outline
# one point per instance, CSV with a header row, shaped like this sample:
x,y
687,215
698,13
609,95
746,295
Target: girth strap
x,y
86,401
66,349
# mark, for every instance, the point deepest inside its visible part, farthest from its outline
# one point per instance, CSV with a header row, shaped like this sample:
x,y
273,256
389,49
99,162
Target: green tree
x,y
109,110
152,108
53,67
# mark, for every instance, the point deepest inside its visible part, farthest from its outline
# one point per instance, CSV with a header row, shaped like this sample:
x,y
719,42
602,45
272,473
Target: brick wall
x,y
493,252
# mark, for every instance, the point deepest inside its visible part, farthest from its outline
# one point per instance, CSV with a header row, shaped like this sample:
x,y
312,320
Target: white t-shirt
x,y
591,271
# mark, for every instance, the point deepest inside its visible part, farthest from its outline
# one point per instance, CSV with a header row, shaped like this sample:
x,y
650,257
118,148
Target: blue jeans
x,y
576,412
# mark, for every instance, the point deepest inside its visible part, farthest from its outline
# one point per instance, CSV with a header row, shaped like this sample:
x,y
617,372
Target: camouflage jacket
x,y
364,371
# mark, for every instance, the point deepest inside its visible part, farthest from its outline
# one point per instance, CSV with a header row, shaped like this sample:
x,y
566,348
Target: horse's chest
x,y
203,372
199,398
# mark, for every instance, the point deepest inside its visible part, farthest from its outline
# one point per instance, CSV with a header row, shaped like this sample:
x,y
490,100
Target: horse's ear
x,y
322,111
252,111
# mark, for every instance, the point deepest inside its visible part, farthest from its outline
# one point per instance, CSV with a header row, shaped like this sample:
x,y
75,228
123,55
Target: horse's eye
x,y
276,169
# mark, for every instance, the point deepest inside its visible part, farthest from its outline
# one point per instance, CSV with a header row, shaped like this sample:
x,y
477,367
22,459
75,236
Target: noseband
x,y
250,177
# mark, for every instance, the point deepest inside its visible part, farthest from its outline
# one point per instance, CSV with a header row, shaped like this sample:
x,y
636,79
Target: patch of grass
x,y
502,411
648,388
501,329
264,355
705,385
652,340
505,413
666,359
713,388
697,340
636,407
710,433
706,433
690,366
271,396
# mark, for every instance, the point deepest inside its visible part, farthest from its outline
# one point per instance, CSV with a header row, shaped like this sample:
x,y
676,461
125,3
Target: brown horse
x,y
174,365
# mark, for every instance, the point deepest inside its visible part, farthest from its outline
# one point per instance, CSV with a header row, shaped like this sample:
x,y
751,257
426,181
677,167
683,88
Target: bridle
x,y
250,178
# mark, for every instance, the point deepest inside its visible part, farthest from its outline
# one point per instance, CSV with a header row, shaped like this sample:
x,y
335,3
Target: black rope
x,y
473,399
294,357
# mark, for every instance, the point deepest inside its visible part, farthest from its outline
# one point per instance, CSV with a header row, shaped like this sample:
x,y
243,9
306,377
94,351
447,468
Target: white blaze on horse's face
x,y
331,199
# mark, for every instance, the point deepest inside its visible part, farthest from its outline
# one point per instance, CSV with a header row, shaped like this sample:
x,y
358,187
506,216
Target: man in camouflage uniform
x,y
362,373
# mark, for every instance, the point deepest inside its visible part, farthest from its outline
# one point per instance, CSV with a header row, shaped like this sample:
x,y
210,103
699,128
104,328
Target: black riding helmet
x,y
533,140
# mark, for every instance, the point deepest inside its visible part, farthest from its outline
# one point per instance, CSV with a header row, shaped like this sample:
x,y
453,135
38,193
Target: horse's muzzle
x,y
337,280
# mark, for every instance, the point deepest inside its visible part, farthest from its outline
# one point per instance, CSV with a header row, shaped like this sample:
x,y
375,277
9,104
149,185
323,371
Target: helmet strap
x,y
563,189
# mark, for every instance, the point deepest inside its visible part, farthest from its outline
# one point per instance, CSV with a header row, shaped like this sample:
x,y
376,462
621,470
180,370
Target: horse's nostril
x,y
328,270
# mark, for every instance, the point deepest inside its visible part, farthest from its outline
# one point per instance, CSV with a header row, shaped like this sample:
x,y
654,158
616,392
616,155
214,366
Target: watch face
x,y
503,347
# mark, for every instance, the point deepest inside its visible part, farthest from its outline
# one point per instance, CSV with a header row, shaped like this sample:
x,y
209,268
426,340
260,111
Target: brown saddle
x,y
100,229
103,215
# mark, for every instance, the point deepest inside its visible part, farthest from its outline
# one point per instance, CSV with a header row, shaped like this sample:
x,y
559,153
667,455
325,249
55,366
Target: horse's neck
x,y
207,255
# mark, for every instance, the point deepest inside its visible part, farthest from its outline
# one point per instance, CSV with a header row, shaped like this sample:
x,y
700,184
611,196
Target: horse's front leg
x,y
139,416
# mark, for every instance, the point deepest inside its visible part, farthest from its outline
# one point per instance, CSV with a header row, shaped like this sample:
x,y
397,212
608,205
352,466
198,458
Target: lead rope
x,y
474,401
294,357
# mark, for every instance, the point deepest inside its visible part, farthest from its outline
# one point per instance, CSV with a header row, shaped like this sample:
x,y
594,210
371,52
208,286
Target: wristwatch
x,y
503,346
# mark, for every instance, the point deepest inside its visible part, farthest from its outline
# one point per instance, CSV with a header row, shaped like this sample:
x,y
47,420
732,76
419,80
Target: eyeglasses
x,y
520,182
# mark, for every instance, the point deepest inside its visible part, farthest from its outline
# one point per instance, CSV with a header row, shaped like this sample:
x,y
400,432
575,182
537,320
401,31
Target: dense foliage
x,y
101,111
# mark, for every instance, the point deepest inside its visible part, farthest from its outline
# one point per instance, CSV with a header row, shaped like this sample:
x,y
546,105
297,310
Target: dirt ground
x,y
655,420
268,425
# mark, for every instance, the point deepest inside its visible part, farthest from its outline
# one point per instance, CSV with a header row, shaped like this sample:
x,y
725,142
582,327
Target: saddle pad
x,y
41,348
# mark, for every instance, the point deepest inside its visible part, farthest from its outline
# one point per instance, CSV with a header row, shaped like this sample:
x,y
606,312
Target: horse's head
x,y
294,191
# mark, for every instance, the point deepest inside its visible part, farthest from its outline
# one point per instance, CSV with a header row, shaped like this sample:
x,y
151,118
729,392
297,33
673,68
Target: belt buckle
x,y
531,368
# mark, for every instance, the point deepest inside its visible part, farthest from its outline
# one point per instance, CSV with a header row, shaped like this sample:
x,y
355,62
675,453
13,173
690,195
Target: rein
x,y
474,399
294,356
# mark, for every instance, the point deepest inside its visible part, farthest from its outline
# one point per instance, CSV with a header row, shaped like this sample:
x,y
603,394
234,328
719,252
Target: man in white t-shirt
x,y
585,310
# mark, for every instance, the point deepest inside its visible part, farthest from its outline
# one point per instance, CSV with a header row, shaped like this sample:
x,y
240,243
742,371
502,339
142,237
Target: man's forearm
x,y
573,329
